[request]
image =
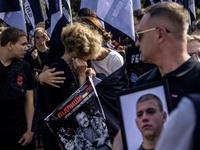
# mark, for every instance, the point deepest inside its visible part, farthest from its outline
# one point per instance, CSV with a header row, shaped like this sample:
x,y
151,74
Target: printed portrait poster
x,y
79,122
127,100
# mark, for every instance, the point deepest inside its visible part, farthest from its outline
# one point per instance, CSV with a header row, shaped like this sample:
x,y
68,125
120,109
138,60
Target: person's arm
x,y
29,109
117,144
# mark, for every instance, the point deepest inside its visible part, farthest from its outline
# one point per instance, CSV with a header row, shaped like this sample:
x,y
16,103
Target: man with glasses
x,y
162,40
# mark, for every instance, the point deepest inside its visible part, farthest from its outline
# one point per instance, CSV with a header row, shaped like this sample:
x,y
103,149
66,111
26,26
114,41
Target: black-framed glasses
x,y
139,35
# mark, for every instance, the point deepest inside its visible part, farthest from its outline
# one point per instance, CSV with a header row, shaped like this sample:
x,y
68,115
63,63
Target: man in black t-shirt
x,y
16,92
162,39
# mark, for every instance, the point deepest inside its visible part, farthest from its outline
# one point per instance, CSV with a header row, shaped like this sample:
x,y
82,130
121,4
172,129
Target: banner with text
x,y
79,122
119,14
12,13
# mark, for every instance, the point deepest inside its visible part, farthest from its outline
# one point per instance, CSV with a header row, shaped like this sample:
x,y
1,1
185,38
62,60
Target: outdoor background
x,y
75,6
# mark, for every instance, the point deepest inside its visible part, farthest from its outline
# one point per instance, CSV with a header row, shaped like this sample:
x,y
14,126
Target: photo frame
x,y
126,102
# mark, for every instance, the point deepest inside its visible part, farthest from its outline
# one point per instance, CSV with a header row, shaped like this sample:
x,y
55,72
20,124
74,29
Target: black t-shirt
x,y
54,53
30,60
135,67
182,81
12,114
40,60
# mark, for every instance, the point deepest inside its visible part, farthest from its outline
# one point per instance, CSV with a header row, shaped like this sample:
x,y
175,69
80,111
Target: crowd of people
x,y
36,78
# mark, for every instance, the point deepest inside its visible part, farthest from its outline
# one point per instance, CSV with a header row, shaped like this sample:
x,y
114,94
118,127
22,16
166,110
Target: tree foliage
x,y
75,6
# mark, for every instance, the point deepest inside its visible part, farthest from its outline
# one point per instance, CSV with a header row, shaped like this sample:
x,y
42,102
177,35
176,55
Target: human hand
x,y
26,138
101,141
121,49
51,77
90,72
79,66
34,53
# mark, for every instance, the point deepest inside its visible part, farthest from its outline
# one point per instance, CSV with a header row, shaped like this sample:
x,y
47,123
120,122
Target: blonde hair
x,y
173,13
79,38
42,30
2,29
193,38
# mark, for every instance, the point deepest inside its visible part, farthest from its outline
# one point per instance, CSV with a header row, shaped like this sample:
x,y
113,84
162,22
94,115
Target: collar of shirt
x,y
180,71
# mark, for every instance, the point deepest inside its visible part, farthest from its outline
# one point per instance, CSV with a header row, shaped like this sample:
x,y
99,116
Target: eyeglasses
x,y
139,35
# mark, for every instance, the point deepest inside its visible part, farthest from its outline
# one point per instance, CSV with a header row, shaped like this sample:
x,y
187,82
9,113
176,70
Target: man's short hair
x,y
86,12
11,34
148,97
138,13
172,13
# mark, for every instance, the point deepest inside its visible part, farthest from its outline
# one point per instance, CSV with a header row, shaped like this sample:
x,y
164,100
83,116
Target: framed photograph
x,y
127,101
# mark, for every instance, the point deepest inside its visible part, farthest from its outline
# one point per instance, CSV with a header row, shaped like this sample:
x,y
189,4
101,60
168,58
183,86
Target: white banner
x,y
54,18
29,16
119,14
15,18
136,4
91,4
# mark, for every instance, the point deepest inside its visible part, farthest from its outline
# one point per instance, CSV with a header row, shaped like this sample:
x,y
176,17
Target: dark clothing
x,y
90,136
57,51
38,124
142,148
183,80
54,96
106,89
12,111
10,141
57,48
40,60
135,67
30,60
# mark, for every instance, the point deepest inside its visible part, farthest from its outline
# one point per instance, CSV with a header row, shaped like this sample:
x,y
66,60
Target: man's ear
x,y
161,34
9,45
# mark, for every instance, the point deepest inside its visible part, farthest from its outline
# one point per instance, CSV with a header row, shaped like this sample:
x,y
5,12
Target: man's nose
x,y
137,43
26,47
145,117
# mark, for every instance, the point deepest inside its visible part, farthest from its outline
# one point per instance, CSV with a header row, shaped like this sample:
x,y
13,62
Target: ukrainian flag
x,y
84,94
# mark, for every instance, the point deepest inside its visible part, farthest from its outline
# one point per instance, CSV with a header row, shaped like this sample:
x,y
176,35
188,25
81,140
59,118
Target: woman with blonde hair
x,y
40,53
109,61
111,69
81,44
